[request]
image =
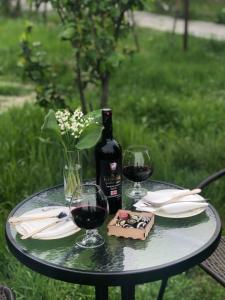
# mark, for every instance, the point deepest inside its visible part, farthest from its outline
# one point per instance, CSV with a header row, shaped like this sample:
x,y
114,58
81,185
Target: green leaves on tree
x,y
68,33
95,30
34,64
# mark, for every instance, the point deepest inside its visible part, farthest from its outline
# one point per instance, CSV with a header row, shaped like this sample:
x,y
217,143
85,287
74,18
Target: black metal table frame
x,y
126,279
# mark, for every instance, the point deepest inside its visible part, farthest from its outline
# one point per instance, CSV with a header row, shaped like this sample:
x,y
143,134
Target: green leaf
x,y
114,60
68,33
50,123
89,137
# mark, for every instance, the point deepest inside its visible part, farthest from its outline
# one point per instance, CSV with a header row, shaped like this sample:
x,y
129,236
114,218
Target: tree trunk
x,y
30,7
45,12
17,11
133,28
105,91
80,85
81,93
186,18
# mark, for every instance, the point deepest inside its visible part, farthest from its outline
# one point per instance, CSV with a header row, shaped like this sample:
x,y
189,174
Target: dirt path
x,y
201,29
7,101
10,101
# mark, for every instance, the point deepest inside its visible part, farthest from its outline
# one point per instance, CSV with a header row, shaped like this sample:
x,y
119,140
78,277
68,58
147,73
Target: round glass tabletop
x,y
172,246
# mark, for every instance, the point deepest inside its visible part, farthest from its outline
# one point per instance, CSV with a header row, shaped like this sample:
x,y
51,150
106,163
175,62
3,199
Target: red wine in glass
x,y
89,210
137,173
88,216
137,167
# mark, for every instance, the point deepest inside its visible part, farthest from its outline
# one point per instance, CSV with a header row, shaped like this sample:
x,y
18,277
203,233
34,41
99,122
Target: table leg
x,y
101,292
128,292
162,288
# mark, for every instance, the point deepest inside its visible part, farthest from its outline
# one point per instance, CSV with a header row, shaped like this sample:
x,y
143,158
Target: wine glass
x,y
89,211
137,167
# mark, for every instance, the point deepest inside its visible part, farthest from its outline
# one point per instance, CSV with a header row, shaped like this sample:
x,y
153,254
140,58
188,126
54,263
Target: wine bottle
x,y
108,156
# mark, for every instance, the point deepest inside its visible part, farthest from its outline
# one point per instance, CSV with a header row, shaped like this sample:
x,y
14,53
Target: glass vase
x,y
72,174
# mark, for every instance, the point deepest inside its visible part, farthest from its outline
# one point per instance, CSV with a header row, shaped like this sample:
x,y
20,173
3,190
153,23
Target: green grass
x,y
207,10
165,98
60,57
176,102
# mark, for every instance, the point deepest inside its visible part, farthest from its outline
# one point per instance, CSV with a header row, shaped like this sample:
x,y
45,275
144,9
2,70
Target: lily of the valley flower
x,y
73,130
72,124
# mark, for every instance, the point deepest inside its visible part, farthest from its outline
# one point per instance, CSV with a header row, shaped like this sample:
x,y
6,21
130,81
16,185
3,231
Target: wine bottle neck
x,y
107,131
107,124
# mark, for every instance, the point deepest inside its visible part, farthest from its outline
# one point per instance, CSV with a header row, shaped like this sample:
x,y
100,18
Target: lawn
x,y
170,100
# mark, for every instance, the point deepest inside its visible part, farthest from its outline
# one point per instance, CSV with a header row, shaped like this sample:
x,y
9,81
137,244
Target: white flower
x,y
72,123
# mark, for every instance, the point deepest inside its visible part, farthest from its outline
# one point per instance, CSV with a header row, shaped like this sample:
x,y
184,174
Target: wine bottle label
x,y
111,178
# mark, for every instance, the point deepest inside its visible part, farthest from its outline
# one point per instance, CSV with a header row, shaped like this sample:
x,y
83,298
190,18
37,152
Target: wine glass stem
x,y
91,233
137,186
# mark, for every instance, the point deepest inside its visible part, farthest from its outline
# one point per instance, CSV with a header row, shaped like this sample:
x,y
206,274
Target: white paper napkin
x,y
63,228
161,196
184,207
47,212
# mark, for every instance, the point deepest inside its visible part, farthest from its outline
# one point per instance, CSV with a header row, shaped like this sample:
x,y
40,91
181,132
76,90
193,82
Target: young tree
x,y
35,66
94,29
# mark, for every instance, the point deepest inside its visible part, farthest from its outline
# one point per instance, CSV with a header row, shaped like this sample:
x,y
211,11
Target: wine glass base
x,y
67,199
92,239
136,193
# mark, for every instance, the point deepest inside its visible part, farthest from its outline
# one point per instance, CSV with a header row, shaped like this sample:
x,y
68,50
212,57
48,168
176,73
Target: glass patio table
x,y
173,246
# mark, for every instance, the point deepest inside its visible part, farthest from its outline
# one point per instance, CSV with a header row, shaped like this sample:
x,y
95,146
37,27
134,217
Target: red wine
x,y
89,217
136,173
108,156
